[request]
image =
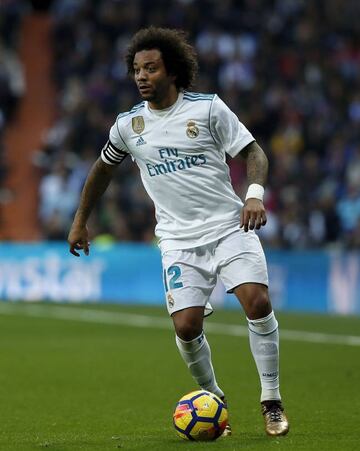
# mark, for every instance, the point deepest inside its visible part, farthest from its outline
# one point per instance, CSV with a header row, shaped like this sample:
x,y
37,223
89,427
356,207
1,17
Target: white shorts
x,y
190,275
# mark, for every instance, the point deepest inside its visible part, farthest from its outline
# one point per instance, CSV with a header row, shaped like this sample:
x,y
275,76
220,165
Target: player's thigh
x,y
188,279
241,260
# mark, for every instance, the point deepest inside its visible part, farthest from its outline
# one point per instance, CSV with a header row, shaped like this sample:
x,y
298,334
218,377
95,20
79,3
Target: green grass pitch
x,y
73,381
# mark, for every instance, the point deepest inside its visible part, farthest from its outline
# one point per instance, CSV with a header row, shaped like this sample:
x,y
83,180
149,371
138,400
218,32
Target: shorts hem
x,y
231,290
207,311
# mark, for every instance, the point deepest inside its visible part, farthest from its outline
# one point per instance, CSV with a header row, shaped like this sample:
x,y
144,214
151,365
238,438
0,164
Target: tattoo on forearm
x,y
257,165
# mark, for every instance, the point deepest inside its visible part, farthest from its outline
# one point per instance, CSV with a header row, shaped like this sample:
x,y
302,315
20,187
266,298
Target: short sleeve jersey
x,y
181,154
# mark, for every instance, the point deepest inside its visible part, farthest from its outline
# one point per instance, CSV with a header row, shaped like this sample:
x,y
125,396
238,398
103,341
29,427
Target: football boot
x,y
276,422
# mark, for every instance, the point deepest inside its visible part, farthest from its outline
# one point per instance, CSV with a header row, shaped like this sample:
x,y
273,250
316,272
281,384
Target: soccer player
x,y
179,140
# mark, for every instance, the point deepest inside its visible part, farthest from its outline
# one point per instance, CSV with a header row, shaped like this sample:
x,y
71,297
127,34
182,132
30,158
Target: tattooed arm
x,y
96,183
253,213
257,163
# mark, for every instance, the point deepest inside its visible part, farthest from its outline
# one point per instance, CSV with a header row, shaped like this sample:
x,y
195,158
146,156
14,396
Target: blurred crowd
x,y
290,69
12,83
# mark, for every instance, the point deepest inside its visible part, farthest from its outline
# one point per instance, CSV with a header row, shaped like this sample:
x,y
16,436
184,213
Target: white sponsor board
x,y
51,277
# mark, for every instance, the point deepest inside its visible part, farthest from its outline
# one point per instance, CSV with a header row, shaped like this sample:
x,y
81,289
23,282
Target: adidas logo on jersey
x,y
140,141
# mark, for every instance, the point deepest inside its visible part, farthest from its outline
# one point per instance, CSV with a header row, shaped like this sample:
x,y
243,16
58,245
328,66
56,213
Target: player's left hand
x,y
253,215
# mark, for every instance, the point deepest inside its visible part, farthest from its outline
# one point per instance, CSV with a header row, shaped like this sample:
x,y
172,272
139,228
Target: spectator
x,y
291,71
12,81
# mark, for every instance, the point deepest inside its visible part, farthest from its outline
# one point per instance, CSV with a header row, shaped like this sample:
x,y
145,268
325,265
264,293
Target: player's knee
x,y
259,306
188,330
188,323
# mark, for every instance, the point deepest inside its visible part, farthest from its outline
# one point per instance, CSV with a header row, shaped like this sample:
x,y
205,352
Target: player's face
x,y
154,83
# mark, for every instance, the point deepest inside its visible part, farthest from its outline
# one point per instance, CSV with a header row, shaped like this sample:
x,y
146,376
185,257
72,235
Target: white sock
x,y
264,345
197,356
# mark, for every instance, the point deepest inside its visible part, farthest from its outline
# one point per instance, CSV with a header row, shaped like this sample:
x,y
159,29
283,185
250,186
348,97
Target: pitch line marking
x,y
136,320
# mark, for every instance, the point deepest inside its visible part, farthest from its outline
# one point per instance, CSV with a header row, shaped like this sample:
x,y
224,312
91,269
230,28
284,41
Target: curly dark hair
x,y
178,55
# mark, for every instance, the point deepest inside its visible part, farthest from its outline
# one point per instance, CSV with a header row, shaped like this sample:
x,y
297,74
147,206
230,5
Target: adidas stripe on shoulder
x,y
133,110
196,96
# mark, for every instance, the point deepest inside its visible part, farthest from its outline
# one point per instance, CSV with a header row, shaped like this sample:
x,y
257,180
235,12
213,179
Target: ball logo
x,y
192,130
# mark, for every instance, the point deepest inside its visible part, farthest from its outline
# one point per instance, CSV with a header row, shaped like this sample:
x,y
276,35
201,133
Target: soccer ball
x,y
200,415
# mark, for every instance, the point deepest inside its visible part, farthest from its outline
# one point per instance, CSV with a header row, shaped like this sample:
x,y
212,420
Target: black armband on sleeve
x,y
111,155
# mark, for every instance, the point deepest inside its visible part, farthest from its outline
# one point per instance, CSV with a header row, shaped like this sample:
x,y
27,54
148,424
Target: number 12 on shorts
x,y
173,272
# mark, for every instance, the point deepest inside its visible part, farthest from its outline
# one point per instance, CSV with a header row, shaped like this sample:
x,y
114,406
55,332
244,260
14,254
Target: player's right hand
x,y
78,239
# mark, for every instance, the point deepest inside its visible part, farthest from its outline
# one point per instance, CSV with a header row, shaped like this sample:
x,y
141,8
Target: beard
x,y
156,92
150,94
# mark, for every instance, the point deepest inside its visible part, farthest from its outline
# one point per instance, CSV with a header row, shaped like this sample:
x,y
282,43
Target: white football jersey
x,y
181,155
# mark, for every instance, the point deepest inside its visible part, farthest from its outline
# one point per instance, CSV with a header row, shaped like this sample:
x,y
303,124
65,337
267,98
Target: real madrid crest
x,y
138,124
170,300
192,130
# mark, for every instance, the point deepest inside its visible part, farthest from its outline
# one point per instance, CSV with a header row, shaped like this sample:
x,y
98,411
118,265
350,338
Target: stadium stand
x,y
34,115
12,85
294,82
